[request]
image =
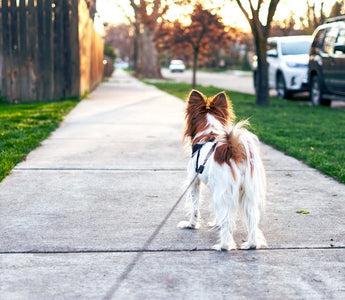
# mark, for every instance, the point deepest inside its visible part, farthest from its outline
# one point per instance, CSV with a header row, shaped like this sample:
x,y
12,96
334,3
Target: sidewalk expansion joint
x,y
89,251
104,169
132,169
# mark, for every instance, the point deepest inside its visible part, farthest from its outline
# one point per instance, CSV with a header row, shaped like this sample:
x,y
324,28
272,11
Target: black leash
x,y
130,267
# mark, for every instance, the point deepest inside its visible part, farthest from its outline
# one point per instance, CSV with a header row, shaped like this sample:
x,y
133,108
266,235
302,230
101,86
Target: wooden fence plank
x,y
59,62
31,48
23,70
74,42
48,58
40,50
1,48
14,52
45,55
6,48
68,45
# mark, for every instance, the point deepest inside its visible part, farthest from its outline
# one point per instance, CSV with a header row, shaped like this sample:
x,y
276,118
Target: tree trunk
x,y
262,96
136,45
148,65
195,65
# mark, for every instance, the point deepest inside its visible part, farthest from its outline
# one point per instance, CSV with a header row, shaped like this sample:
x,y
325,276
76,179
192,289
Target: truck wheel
x,y
316,92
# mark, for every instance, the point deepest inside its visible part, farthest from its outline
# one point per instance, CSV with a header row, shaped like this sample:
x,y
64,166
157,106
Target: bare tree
x,y
337,9
146,54
315,14
121,38
260,32
313,19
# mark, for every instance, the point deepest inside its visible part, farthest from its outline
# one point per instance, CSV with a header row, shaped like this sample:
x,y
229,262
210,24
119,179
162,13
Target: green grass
x,y
24,126
314,135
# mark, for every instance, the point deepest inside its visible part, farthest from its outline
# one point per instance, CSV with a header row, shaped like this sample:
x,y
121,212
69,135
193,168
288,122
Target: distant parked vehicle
x,y
177,65
287,59
327,63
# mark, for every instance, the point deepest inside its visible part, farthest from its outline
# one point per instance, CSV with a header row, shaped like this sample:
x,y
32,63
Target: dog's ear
x,y
220,100
196,98
221,106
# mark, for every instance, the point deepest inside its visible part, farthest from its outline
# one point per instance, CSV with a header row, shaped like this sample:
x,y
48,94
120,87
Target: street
x,y
240,81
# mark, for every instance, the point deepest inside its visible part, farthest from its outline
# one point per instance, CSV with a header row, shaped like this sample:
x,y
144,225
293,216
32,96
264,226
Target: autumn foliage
x,y
201,37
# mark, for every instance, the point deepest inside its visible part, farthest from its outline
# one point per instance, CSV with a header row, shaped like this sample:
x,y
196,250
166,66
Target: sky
x,y
113,11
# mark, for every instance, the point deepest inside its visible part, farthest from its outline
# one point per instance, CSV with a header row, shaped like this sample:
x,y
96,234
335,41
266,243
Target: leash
x,y
131,265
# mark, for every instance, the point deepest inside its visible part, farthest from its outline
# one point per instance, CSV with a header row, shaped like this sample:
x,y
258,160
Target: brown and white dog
x,y
234,172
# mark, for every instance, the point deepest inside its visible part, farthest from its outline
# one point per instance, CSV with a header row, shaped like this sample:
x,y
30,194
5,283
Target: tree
x,y
337,9
121,37
260,32
147,13
91,4
204,34
315,14
109,59
314,20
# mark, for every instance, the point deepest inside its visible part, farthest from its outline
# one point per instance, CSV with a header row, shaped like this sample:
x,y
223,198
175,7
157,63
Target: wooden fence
x,y
50,50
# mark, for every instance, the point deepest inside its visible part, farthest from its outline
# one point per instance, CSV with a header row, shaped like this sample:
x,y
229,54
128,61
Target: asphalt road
x,y
241,81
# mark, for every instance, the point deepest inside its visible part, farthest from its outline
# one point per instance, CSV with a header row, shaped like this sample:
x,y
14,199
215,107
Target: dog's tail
x,y
239,148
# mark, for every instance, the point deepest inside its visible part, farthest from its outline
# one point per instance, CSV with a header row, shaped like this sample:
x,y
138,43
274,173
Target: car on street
x,y
287,59
326,70
177,65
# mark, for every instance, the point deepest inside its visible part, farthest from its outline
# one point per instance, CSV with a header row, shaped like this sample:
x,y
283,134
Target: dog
x,y
233,172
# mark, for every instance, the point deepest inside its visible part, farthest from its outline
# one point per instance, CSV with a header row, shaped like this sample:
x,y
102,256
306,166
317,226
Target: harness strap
x,y
200,169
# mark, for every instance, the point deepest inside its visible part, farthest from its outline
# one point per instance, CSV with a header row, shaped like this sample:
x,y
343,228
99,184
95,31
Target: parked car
x,y
287,59
177,65
327,62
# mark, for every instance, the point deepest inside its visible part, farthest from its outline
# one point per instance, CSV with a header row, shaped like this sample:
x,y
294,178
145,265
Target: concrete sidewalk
x,y
76,215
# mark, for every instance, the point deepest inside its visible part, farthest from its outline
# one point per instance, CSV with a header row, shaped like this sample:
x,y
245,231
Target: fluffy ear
x,y
220,100
196,98
221,106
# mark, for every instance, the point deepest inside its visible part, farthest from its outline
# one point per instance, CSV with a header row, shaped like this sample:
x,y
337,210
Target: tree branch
x,y
271,10
243,10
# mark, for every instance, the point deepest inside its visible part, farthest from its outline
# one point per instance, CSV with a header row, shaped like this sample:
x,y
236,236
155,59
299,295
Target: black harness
x,y
196,149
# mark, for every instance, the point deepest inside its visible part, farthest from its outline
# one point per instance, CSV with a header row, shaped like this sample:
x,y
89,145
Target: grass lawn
x,y
314,135
24,126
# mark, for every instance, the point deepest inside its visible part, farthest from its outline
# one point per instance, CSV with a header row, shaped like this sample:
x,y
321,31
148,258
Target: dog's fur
x,y
234,172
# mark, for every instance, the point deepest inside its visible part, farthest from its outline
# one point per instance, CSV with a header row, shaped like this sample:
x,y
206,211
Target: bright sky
x,y
113,11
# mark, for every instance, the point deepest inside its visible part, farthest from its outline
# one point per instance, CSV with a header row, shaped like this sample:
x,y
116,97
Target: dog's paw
x,y
220,247
187,225
212,224
217,247
248,246
252,245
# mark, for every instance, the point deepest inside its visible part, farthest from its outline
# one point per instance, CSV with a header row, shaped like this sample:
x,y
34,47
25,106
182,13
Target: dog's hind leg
x,y
226,211
193,199
251,214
